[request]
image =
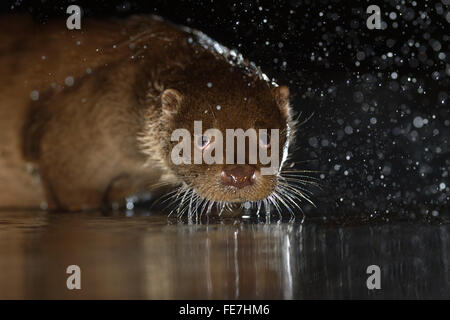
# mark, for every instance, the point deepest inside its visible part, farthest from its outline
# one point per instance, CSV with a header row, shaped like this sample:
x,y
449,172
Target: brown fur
x,y
107,136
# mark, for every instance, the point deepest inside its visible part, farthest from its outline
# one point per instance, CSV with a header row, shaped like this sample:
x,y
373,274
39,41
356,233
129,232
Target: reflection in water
x,y
147,257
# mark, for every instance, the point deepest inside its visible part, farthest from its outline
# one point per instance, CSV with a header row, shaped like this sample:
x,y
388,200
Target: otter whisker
x,y
184,208
287,193
190,205
280,198
300,179
208,211
292,198
286,171
258,208
222,207
300,182
205,204
299,193
199,201
166,198
275,204
175,197
298,174
296,188
266,206
179,211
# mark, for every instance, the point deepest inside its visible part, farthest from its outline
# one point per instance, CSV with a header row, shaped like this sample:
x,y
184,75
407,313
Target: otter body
x,y
86,115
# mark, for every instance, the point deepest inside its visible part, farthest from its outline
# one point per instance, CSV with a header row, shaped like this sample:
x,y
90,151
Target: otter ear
x,y
281,94
171,101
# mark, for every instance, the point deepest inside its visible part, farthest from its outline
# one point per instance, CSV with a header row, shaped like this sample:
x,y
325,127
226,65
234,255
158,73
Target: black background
x,y
366,133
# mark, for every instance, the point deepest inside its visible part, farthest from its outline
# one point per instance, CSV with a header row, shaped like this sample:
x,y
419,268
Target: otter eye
x,y
264,140
203,142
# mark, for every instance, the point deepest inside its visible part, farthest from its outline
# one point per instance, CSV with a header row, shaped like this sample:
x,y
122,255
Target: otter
x,y
86,115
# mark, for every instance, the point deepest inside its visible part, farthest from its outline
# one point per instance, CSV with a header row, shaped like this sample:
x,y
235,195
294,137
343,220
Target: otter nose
x,y
238,176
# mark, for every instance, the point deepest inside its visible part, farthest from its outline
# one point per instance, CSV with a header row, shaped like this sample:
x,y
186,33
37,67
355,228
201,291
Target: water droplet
x,y
34,95
69,81
418,122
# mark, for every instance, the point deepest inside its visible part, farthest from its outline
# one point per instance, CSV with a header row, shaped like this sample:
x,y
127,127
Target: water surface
x,y
149,257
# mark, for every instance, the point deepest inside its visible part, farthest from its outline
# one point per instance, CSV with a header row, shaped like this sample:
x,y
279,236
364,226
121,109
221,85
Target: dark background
x,y
380,126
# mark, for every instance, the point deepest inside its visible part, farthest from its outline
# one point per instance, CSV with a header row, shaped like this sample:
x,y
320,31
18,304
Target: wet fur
x,y
107,137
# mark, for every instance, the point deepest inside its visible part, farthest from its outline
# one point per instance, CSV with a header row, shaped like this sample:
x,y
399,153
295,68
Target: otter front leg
x,y
117,191
64,194
76,194
75,171
144,186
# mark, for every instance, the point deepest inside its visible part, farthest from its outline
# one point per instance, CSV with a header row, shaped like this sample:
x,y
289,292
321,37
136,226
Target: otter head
x,y
226,142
